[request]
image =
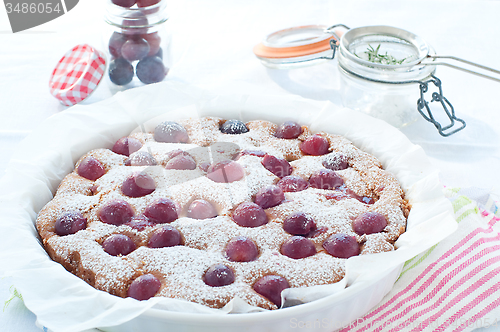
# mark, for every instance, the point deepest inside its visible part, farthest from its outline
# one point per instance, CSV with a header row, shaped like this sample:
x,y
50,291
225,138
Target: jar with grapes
x,y
137,43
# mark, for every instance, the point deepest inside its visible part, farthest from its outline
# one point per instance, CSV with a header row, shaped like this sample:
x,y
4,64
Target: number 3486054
x,y
26,8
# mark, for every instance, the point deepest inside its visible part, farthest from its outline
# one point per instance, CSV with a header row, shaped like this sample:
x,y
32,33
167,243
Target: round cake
x,y
207,210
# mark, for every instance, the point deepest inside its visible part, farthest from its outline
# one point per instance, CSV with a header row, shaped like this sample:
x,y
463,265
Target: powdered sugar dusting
x,y
181,268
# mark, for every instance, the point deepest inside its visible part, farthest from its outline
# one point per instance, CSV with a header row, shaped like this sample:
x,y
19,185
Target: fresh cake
x,y
208,209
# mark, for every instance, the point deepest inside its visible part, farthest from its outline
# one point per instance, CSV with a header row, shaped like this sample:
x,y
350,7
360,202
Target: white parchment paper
x,y
63,302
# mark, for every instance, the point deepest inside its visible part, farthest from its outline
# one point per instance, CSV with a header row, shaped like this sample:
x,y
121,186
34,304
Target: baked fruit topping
x,y
208,209
144,287
233,127
241,249
219,275
70,223
249,214
288,130
342,245
299,223
271,286
170,132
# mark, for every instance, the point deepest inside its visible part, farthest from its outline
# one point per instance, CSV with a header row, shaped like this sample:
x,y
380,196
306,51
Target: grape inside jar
x,y
137,43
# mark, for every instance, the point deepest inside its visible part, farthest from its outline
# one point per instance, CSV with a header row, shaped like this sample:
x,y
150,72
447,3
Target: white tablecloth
x,y
212,49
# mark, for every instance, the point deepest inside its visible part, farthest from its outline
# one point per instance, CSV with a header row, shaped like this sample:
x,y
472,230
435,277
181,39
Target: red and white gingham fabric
x,y
455,285
77,74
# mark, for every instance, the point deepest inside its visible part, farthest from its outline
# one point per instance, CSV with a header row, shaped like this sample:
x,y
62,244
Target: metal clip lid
x,y
298,46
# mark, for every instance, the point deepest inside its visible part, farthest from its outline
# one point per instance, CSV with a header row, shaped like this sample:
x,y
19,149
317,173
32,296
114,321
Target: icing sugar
x,y
180,268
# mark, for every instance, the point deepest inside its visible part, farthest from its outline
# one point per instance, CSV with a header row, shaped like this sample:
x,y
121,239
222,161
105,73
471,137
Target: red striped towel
x,y
455,285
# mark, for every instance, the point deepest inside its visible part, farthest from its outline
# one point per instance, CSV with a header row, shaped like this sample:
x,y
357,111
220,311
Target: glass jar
x,y
137,43
381,70
385,71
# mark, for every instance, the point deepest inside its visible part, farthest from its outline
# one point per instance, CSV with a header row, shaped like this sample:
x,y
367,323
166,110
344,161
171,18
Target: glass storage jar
x,y
385,71
137,43
381,70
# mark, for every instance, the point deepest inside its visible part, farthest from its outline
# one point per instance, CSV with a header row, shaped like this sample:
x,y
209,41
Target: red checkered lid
x,y
77,74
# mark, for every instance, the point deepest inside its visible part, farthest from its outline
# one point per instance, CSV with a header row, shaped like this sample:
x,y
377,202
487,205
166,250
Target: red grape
x,y
162,210
362,199
335,161
343,192
115,44
269,196
367,200
277,166
126,146
70,223
298,247
241,249
138,185
139,223
166,236
177,152
271,286
159,54
135,49
218,275
201,209
337,195
151,70
181,162
118,244
292,183
124,3
140,158
234,127
115,212
144,287
225,171
204,166
121,72
256,153
249,214
147,3
299,223
170,132
342,245
288,130
315,145
135,23
325,179
90,168
369,222
154,41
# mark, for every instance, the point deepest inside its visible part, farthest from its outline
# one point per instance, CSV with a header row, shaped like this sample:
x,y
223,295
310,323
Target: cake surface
x,y
210,209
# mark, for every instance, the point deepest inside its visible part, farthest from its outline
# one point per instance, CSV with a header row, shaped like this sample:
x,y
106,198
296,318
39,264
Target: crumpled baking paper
x,y
63,302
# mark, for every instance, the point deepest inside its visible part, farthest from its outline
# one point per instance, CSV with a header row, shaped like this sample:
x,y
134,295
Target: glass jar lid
x,y
296,47
77,74
385,54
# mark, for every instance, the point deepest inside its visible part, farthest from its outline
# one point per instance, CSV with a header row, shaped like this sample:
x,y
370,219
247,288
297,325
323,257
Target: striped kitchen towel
x,y
455,285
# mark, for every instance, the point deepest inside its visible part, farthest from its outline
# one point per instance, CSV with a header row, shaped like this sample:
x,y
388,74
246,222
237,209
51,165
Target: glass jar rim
x,y
390,70
132,18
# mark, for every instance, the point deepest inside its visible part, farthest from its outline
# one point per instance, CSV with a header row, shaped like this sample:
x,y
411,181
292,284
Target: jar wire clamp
x,y
423,104
448,108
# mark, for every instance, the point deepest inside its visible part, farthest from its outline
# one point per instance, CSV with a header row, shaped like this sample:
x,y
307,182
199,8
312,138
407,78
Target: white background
x,y
212,49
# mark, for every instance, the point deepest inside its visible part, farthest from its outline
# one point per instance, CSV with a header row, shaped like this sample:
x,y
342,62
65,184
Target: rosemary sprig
x,y
385,59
